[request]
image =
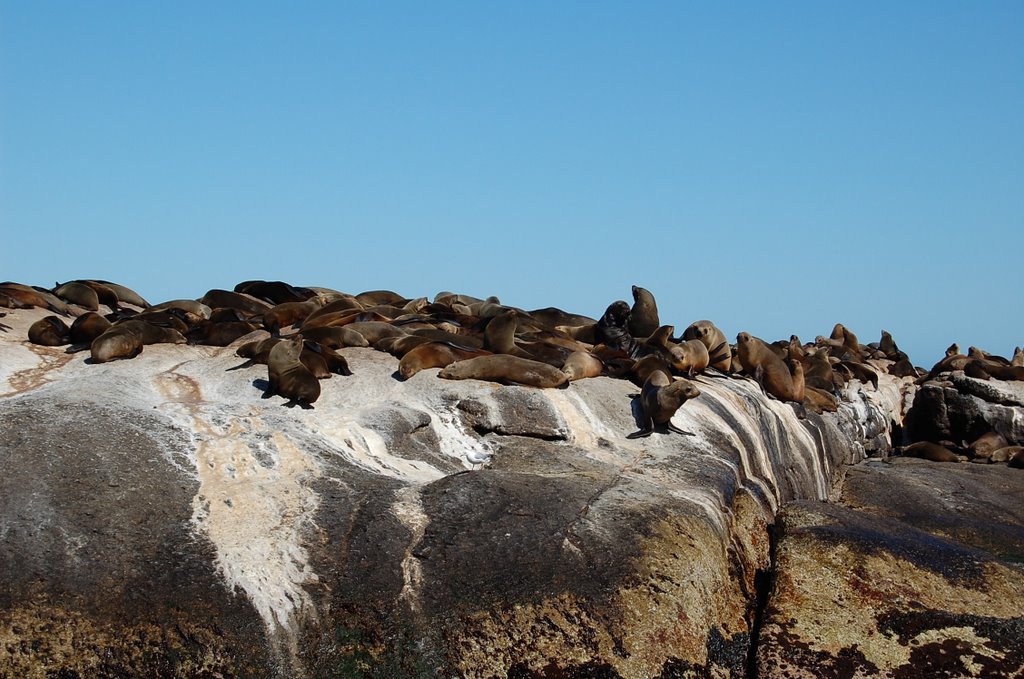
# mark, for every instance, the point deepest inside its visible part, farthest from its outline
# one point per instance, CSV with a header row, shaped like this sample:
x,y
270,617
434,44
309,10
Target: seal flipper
x,y
247,364
672,427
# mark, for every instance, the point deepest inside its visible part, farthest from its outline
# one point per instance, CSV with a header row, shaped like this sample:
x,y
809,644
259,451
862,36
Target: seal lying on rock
x,y
508,370
660,398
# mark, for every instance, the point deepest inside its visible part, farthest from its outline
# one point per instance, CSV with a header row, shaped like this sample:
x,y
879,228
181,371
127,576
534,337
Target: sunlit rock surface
x,y
159,518
916,573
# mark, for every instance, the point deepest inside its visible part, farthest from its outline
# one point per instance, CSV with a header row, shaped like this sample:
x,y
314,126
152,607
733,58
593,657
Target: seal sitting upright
x,y
288,377
660,398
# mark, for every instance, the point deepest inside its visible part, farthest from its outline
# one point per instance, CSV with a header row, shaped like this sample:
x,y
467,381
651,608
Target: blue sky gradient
x,y
773,167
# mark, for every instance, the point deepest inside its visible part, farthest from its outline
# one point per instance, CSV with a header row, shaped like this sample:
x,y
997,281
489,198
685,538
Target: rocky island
x,y
166,515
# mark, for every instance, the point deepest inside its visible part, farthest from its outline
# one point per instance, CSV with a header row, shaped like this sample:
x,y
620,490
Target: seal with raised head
x,y
719,351
766,367
660,398
690,357
507,370
643,316
288,377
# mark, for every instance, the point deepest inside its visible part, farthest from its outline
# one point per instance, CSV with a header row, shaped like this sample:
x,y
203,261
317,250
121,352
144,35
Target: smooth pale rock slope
x,y
158,518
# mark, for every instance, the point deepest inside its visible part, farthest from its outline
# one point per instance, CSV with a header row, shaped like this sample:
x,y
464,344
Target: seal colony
x,y
298,332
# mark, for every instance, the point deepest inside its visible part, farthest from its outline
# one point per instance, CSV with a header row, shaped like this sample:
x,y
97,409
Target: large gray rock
x,y
958,408
158,518
916,574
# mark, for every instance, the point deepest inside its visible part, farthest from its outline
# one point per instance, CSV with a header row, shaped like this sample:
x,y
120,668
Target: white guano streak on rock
x,y
365,448
252,512
584,427
455,441
408,508
763,474
259,548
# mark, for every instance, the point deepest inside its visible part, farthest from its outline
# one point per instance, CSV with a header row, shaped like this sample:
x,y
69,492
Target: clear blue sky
x,y
775,167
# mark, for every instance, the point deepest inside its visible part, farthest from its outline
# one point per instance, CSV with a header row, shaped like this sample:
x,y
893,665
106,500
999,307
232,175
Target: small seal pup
x,y
287,376
660,398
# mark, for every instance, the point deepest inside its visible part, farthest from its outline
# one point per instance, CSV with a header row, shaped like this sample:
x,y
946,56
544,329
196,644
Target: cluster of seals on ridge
x,y
472,338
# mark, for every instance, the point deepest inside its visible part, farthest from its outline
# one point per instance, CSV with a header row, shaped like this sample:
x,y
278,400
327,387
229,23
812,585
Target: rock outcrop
x,y
159,518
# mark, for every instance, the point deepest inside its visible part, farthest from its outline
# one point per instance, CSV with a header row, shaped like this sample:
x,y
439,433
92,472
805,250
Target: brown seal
x,y
235,300
287,376
581,333
500,334
690,357
582,364
24,297
189,305
507,370
719,351
87,327
373,331
214,334
290,313
1006,454
643,316
345,303
660,398
152,334
274,292
125,294
859,371
336,337
49,331
987,443
552,317
400,346
1018,358
818,371
766,367
321,361
375,297
926,450
1011,454
641,369
975,352
78,293
435,355
104,293
122,340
